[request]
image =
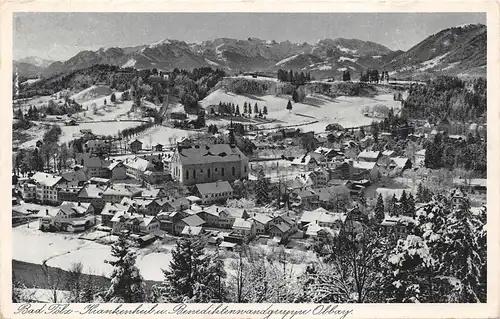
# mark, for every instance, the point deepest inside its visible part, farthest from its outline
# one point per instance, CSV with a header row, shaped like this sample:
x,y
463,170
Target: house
x,y
68,194
94,166
478,185
135,223
158,147
364,170
328,153
117,171
398,226
135,146
333,196
308,198
261,222
320,234
92,193
369,156
402,163
214,192
244,228
71,216
74,178
116,192
28,191
420,158
192,220
110,210
291,225
168,220
47,187
173,203
209,163
304,181
323,218
306,162
136,167
97,146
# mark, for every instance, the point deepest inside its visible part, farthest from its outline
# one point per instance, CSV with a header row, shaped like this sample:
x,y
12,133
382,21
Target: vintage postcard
x,y
250,160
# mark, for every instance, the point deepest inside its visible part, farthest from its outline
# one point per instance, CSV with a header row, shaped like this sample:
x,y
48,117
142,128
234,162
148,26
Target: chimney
x,y
217,209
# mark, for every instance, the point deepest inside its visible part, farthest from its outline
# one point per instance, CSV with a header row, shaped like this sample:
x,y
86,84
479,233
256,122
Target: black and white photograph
x,y
237,157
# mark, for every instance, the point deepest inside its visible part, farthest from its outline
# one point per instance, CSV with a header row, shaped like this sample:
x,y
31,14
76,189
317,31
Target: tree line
x,y
295,78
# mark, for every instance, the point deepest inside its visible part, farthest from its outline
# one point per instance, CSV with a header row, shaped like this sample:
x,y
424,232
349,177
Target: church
x,y
208,163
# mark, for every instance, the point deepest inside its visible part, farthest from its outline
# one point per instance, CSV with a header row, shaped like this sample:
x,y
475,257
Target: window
x,y
208,171
245,169
234,170
215,169
194,173
222,171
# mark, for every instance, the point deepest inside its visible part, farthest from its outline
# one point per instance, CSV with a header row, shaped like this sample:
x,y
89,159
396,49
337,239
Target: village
x,y
189,189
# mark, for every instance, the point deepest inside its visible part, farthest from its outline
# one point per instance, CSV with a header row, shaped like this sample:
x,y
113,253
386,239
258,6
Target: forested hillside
x,y
448,97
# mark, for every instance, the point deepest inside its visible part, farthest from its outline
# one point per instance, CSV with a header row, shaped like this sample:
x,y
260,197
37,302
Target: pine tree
x,y
403,204
127,285
379,209
194,275
264,111
256,109
289,106
410,207
262,189
295,96
392,205
249,108
113,98
245,108
105,102
420,193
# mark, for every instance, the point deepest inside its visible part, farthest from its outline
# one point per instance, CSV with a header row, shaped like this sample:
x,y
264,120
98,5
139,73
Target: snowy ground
x,y
163,135
101,128
343,110
62,250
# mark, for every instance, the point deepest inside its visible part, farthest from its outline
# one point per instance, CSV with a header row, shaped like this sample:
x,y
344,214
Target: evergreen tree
x,y
237,110
264,111
194,275
256,109
420,193
127,285
392,205
105,102
403,203
245,108
262,189
379,209
295,96
113,98
410,206
290,76
289,106
249,109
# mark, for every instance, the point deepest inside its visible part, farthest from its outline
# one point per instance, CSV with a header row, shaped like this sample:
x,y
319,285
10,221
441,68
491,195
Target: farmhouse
x,y
214,192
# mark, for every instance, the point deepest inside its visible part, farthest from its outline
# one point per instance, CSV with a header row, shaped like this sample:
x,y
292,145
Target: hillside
x,y
454,51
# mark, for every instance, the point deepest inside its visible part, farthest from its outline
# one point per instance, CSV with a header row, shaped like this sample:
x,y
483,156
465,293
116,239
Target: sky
x,y
59,36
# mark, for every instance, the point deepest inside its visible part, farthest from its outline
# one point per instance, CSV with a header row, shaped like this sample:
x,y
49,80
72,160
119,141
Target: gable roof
x,y
364,165
46,179
261,218
369,154
139,164
73,176
91,191
121,190
193,220
400,161
215,187
215,153
240,223
283,228
112,209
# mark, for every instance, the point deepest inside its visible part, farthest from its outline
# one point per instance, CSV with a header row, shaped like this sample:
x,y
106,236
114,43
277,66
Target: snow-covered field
x,y
163,135
343,110
62,250
101,128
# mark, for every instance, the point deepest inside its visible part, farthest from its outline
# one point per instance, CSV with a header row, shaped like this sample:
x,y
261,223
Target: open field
x,y
343,110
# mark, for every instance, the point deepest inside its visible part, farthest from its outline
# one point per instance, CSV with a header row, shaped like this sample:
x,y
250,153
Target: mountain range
x,y
457,51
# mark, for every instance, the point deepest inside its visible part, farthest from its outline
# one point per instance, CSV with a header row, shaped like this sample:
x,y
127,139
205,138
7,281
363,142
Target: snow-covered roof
x,y
387,152
122,190
240,223
138,164
225,244
261,218
215,187
91,191
321,215
400,161
421,152
193,220
191,230
46,179
303,160
369,154
113,208
364,165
